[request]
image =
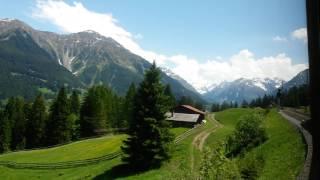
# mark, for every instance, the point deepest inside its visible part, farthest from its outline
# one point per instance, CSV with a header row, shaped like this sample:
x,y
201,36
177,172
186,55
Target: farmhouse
x,y
185,115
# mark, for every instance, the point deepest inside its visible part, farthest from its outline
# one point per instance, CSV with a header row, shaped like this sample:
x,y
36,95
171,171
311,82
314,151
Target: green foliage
x,y
59,129
128,106
187,100
249,132
101,109
18,120
93,113
215,165
283,152
263,102
296,96
251,166
36,123
75,103
149,137
74,117
171,99
244,104
5,133
73,121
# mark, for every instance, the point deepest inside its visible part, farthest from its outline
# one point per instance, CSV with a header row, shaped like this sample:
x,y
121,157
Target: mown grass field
x,y
85,149
80,150
283,152
75,151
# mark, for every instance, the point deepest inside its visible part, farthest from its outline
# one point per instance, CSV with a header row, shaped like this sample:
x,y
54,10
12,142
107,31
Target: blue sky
x,y
201,31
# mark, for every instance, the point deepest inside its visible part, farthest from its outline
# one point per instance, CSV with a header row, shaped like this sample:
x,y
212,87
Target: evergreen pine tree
x,y
93,113
185,100
5,132
74,118
244,104
225,105
19,125
128,105
236,105
215,107
149,137
36,123
10,110
59,129
75,103
170,96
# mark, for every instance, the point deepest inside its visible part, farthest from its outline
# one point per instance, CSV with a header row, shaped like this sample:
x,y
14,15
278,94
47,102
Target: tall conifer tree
x,y
75,103
128,105
36,123
5,132
59,129
149,137
18,118
170,96
93,112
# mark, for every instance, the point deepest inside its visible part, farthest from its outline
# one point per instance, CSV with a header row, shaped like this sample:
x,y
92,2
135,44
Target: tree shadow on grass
x,y
119,171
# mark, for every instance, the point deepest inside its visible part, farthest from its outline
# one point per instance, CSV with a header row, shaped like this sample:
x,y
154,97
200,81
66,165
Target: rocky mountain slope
x,y
242,89
298,80
87,57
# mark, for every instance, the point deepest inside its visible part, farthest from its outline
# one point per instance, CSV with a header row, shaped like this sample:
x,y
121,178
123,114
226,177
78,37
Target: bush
x,y
215,165
249,133
251,166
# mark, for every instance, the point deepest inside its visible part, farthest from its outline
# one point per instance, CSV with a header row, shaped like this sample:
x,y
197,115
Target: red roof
x,y
193,109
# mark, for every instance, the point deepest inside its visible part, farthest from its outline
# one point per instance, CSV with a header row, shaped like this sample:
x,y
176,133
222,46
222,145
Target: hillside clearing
x,y
284,151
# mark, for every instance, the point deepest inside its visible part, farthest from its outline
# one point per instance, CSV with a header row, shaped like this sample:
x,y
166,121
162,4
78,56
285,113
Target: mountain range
x,y
242,89
249,89
33,60
300,79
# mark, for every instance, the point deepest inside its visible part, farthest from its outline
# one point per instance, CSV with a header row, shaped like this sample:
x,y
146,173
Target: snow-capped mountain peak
x,y
243,89
7,19
183,82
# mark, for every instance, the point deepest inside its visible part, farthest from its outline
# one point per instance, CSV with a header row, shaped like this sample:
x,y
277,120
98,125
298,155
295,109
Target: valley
x,y
106,91
284,147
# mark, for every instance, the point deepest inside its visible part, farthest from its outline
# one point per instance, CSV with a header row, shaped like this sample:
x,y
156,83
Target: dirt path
x,y
200,139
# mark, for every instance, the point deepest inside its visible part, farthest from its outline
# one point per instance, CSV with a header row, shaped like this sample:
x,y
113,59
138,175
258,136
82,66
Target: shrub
x,y
215,165
250,166
249,133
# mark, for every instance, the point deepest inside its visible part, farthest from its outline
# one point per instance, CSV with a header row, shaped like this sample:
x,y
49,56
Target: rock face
x,y
298,80
86,58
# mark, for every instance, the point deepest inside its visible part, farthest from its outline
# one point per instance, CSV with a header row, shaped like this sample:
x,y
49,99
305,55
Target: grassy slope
x,y
284,150
284,153
179,166
228,120
178,130
85,149
75,151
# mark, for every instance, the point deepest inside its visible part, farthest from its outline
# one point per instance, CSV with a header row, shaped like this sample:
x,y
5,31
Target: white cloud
x,y
138,36
279,39
300,34
75,18
243,64
71,18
